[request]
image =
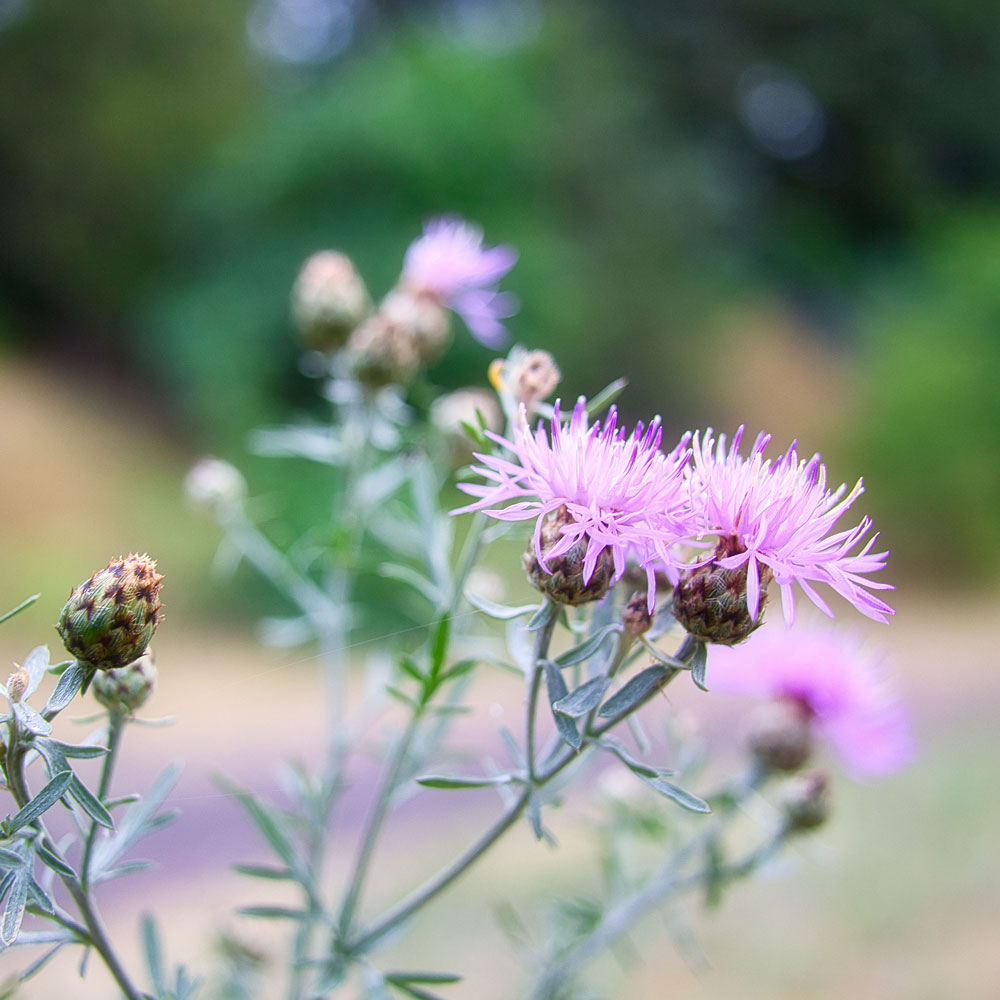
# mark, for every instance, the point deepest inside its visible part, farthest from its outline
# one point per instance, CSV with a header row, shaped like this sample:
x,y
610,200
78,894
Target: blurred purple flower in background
x,y
450,263
782,517
621,491
842,688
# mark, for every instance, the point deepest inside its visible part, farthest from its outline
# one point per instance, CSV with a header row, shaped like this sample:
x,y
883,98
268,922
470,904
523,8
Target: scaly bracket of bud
x,y
711,602
109,619
123,690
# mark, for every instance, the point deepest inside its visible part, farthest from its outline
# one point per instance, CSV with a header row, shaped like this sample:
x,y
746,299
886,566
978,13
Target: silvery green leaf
x,y
153,953
520,646
24,604
660,656
635,691
618,749
35,665
65,691
30,719
458,781
588,648
416,581
557,690
52,861
265,872
90,803
64,750
17,898
130,868
42,960
10,859
513,747
679,795
46,798
285,633
499,611
423,978
267,825
273,912
318,444
38,898
547,610
699,661
606,396
586,697
186,987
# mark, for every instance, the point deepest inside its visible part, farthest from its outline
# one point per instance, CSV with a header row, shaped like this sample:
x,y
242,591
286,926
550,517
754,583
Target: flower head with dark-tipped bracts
x,y
778,518
617,493
450,263
839,687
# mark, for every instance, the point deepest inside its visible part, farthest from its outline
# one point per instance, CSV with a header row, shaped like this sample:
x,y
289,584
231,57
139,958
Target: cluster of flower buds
x,y
447,268
124,690
109,620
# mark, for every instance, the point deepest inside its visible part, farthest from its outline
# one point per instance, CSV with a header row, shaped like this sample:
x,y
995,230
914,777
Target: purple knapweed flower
x,y
620,492
780,515
450,263
841,688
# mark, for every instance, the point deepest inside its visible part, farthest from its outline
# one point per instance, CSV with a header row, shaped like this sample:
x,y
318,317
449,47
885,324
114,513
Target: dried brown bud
x,y
533,378
781,737
806,801
636,617
17,684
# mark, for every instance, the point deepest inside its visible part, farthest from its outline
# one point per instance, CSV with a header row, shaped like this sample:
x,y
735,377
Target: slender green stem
x,y
96,934
116,727
540,650
667,882
557,762
369,835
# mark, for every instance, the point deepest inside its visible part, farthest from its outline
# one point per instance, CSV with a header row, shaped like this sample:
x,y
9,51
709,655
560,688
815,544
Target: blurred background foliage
x,y
774,211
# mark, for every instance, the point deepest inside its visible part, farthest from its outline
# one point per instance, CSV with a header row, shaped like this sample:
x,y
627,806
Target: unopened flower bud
x,y
562,576
533,378
781,737
109,619
381,353
125,689
711,602
329,299
17,684
422,318
213,482
806,801
636,616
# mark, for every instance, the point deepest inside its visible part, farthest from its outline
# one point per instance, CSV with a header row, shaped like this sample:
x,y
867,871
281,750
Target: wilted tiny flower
x,y
329,299
805,801
213,482
17,684
109,619
126,689
450,264
637,618
525,378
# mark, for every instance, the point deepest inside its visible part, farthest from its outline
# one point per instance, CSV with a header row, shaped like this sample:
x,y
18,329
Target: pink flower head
x,y
848,699
782,516
621,492
450,263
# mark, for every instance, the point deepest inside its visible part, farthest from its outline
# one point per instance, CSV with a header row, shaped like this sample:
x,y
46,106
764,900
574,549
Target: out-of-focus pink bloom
x,y
450,263
783,516
842,687
621,491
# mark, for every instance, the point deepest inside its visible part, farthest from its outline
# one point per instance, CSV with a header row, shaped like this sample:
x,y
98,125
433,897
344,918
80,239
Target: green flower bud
x,y
711,602
109,619
329,300
125,689
563,580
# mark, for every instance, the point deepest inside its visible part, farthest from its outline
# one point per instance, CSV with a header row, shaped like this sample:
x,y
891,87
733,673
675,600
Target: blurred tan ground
x,y
899,897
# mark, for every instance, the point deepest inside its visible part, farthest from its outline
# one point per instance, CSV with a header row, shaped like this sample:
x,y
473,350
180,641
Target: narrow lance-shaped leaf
x,y
267,825
636,690
458,781
17,897
24,604
557,690
90,803
46,798
547,610
679,795
8,859
699,661
585,698
588,648
499,611
640,768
